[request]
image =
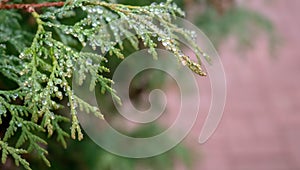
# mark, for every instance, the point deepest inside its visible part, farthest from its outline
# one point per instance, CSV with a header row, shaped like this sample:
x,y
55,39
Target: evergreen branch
x,y
15,153
44,70
31,7
61,134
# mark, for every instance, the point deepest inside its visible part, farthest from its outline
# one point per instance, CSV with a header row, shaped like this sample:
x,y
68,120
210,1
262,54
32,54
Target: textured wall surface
x,y
260,129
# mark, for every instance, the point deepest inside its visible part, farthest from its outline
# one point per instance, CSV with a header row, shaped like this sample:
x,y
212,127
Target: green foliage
x,y
15,153
240,22
88,155
147,2
38,60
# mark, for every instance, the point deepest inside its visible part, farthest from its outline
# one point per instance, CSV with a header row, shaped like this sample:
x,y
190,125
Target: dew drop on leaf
x,y
58,81
89,61
14,96
52,116
44,102
69,63
19,124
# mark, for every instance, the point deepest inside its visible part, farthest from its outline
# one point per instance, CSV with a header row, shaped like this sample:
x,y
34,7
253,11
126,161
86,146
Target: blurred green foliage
x,y
86,155
242,23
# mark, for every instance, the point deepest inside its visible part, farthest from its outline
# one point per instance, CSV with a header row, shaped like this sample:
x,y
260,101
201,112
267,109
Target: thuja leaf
x,y
42,66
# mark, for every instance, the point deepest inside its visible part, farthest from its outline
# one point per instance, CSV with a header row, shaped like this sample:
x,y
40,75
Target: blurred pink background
x,y
260,129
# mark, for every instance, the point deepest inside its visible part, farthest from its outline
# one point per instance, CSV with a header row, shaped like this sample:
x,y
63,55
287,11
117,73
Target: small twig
x,y
29,7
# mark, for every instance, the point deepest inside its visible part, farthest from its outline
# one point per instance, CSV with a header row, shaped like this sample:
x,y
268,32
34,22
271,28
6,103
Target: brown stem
x,y
30,7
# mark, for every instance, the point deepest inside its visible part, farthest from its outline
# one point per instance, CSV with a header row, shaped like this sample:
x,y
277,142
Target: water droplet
x,y
44,77
153,4
19,124
14,96
60,73
59,95
56,55
183,62
75,105
108,19
164,43
52,116
89,61
40,53
50,83
100,11
58,81
69,63
44,102
21,56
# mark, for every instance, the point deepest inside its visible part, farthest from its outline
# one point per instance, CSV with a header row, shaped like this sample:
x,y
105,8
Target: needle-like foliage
x,y
40,64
